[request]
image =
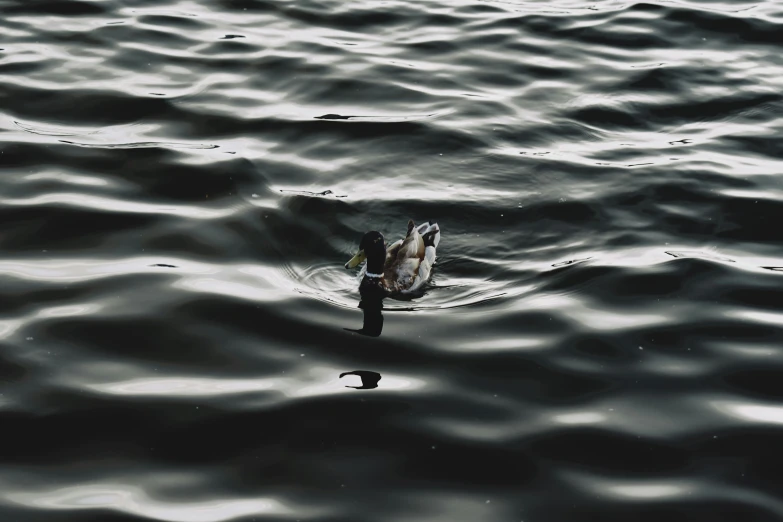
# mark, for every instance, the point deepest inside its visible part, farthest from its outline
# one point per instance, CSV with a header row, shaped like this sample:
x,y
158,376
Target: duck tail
x,y
432,236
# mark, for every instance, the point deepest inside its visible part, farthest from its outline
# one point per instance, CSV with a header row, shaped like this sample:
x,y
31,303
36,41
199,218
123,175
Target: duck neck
x,y
376,257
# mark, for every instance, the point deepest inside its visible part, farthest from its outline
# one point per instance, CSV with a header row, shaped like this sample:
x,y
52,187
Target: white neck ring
x,y
377,276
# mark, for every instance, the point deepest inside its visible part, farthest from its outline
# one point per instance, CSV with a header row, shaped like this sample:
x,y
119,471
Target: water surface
x,y
182,183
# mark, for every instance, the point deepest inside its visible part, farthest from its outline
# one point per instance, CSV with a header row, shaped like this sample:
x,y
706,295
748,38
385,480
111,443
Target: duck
x,y
401,268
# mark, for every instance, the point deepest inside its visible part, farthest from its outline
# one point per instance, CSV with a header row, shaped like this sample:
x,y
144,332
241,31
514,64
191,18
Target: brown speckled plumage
x,y
406,263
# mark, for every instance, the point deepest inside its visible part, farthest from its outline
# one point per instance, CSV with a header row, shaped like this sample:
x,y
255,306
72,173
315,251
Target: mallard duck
x,y
401,268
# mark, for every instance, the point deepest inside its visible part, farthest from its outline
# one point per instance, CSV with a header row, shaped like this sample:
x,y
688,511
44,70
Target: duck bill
x,y
355,260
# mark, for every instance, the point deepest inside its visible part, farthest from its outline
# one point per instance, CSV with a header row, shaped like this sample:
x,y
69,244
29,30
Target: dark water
x,y
182,182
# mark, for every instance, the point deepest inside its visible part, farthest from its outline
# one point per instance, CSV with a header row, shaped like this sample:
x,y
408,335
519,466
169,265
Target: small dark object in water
x,y
699,255
333,117
570,262
308,193
163,265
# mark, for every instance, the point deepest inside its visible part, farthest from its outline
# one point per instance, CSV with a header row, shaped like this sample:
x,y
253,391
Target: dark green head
x,y
373,249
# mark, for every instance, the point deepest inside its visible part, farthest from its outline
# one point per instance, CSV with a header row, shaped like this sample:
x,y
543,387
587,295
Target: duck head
x,y
373,249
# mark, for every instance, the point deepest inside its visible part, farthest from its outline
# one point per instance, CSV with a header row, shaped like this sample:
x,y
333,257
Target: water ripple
x,y
132,500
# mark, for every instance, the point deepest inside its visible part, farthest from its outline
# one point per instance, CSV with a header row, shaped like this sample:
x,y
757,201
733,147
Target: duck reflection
x,y
369,379
373,318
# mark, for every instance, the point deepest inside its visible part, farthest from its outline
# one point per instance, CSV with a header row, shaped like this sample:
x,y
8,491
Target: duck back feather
x,y
409,261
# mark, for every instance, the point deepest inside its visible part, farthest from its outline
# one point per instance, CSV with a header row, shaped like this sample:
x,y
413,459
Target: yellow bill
x,y
355,260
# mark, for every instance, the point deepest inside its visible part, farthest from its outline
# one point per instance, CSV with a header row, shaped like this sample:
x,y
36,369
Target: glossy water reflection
x,y
369,379
182,182
372,318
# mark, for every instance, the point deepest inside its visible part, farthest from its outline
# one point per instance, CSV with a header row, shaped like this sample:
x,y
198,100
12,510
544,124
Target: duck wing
x,y
391,255
409,261
430,236
412,246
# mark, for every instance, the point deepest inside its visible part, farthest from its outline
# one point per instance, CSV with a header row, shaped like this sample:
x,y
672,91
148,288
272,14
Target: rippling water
x,y
182,183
